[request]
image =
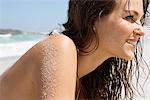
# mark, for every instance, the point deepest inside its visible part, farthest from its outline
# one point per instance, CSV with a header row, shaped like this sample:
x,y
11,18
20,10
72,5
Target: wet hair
x,y
113,76
81,17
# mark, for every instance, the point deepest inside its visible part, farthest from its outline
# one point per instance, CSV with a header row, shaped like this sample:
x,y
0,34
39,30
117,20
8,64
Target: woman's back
x,y
44,71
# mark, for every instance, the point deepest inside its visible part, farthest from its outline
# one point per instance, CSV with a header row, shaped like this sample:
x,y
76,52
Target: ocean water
x,y
17,44
9,38
12,47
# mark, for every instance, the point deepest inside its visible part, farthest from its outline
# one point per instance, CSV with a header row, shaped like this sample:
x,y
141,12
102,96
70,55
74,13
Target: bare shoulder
x,y
58,66
56,46
58,41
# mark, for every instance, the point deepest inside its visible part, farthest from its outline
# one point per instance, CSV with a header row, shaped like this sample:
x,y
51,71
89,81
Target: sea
x,y
13,46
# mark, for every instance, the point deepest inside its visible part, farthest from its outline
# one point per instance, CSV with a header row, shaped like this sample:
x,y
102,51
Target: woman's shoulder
x,y
56,46
58,39
56,43
59,60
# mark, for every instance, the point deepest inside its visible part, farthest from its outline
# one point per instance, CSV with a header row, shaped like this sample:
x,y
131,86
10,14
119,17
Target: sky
x,y
32,15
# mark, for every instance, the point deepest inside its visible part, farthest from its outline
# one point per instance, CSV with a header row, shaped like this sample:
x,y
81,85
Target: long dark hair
x,y
113,76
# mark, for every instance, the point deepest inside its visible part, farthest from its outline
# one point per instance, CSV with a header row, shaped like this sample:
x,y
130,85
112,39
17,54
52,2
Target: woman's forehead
x,y
133,5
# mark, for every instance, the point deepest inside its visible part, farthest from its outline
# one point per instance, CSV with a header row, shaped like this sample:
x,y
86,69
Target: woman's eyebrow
x,y
134,12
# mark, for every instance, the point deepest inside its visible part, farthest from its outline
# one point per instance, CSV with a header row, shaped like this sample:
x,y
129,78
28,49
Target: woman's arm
x,y
46,71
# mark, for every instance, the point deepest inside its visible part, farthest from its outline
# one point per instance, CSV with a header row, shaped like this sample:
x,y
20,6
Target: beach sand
x,y
7,62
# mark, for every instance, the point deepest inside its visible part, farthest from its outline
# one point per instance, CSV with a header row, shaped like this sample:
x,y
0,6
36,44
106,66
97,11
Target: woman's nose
x,y
138,31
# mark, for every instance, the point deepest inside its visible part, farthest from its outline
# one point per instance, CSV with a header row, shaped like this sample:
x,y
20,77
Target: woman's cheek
x,y
125,27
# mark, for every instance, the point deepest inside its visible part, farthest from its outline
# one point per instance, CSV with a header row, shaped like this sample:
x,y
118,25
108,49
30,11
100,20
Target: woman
x,y
91,59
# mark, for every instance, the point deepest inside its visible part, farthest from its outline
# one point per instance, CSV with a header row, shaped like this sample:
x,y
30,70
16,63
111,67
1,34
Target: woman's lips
x,y
132,41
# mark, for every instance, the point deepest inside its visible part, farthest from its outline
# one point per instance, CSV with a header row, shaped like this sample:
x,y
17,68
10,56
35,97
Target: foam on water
x,y
17,44
13,38
15,49
14,46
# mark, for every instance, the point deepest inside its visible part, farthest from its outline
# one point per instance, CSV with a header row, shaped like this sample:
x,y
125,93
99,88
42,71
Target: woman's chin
x,y
127,53
129,56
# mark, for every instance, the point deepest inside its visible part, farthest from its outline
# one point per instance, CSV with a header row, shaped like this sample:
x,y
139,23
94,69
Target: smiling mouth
x,y
131,42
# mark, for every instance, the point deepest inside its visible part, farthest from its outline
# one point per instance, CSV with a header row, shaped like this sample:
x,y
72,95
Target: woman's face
x,y
115,31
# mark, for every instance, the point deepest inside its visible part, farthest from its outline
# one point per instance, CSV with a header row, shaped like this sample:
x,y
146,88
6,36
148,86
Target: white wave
x,y
15,49
5,35
11,52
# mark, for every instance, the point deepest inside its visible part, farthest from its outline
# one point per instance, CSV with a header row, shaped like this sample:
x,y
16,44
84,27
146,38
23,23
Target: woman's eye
x,y
129,18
